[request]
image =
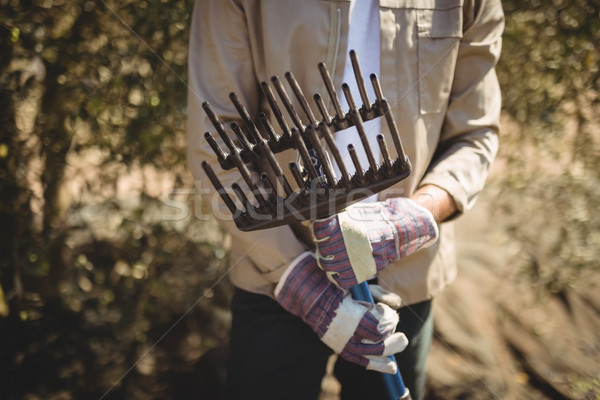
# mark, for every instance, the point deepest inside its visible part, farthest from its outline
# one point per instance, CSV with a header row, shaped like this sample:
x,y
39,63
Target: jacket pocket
x,y
436,30
439,32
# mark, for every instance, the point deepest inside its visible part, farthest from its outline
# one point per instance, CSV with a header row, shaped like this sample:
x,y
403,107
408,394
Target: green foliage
x,y
550,72
93,274
550,54
101,81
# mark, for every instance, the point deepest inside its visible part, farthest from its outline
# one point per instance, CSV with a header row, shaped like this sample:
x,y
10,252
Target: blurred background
x,y
113,279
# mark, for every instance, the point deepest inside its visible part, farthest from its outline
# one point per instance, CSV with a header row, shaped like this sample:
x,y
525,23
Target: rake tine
x,y
331,91
270,187
387,112
248,178
214,119
220,189
355,115
304,154
326,133
268,154
286,102
376,87
215,147
254,133
323,159
242,196
384,151
322,108
360,82
275,108
241,136
297,176
273,137
377,110
300,96
348,95
359,171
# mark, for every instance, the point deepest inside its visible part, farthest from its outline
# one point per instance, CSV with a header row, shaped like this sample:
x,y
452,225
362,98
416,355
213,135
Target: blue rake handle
x,y
393,382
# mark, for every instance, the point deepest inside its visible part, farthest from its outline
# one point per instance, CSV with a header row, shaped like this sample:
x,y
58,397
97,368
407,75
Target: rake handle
x,y
393,382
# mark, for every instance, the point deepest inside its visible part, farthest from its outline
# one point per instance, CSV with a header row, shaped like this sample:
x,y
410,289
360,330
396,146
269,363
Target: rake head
x,y
317,192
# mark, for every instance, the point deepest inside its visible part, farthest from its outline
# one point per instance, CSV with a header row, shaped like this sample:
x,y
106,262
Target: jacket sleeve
x,y
469,138
220,62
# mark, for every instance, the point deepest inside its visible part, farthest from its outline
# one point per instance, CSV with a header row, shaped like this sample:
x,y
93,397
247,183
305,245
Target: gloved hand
x,y
354,245
360,332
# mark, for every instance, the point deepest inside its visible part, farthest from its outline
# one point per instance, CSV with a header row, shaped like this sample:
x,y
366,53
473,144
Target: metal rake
x,y
269,198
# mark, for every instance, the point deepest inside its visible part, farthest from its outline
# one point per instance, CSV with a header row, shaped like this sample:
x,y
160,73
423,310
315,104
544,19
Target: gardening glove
x,y
360,332
354,245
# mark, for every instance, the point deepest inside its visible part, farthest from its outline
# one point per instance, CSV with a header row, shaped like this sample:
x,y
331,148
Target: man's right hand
x,y
360,332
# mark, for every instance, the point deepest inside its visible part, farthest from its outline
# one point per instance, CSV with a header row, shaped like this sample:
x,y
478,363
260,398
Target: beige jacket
x,y
437,71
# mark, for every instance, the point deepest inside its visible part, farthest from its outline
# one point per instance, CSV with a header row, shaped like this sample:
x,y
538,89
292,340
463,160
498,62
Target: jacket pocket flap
x,y
422,4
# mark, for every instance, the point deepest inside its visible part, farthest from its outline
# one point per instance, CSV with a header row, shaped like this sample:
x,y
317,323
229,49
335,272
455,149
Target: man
x,y
435,60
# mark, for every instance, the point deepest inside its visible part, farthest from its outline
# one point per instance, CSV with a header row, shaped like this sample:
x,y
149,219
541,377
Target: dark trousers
x,y
275,355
